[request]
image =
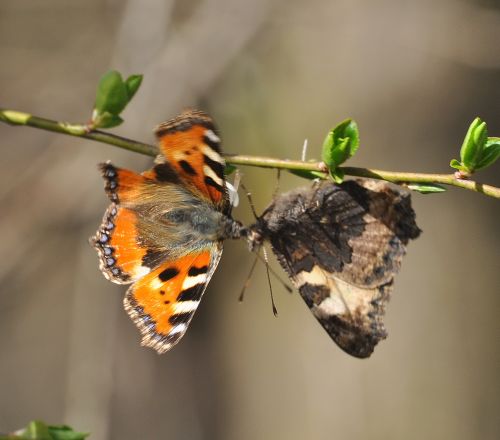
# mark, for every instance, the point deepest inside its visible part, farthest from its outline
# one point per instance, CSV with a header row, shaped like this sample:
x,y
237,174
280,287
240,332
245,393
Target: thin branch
x,y
19,118
78,130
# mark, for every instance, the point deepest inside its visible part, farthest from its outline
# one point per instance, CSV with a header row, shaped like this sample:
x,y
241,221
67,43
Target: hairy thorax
x,y
205,223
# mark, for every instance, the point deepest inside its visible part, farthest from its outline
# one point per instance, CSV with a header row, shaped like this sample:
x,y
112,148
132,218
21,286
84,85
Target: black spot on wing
x,y
211,182
187,167
193,271
168,274
165,173
180,318
192,294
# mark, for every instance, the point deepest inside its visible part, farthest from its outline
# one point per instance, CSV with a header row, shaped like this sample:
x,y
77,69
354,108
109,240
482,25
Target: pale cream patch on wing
x,y
333,305
156,284
141,271
212,136
193,281
315,276
212,154
344,298
178,155
185,307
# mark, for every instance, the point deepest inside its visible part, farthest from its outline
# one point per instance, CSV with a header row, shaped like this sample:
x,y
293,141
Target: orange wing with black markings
x,y
116,240
167,285
121,257
190,144
163,231
163,302
121,185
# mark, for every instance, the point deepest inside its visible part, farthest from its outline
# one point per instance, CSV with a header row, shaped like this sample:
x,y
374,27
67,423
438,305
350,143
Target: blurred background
x,y
272,73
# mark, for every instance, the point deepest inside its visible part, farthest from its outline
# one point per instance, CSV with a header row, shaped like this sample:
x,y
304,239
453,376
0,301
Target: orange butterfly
x,y
164,229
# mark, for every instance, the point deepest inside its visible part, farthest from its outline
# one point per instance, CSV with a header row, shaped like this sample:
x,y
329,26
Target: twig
x,y
19,118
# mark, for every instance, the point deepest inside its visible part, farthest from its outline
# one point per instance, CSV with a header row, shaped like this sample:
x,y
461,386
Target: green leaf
x,y
106,120
36,430
473,144
133,82
229,169
493,140
426,188
454,163
112,94
337,176
307,174
340,144
491,152
66,433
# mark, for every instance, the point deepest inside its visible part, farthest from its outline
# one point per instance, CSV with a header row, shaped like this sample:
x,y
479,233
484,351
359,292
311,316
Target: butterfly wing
x,y
121,254
190,144
342,252
163,302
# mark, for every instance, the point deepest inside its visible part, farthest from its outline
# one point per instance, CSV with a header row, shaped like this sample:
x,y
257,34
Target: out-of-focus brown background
x,y
272,73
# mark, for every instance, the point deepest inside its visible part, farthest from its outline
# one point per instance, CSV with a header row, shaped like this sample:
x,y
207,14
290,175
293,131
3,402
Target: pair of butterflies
x,y
341,245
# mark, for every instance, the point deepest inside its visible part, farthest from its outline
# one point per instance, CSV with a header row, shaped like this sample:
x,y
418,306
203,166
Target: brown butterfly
x,y
341,245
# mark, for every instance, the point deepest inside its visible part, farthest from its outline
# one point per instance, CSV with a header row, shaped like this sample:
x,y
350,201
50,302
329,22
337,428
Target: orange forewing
x,y
195,161
122,186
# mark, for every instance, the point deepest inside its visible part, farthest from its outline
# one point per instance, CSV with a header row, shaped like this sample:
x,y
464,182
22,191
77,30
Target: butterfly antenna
x,y
277,187
276,275
275,310
250,201
247,282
